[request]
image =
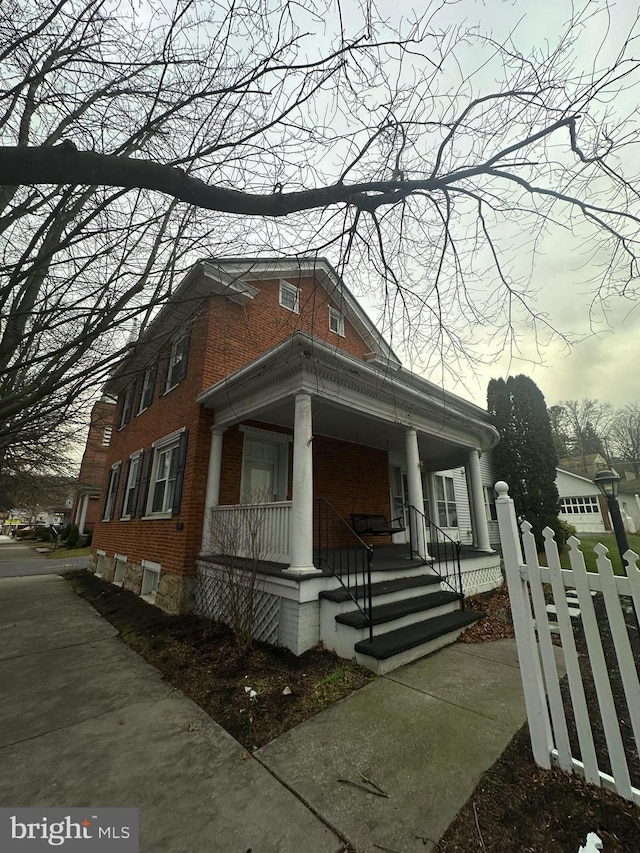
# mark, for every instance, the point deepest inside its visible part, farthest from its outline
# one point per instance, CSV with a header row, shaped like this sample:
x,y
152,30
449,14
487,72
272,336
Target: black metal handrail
x,y
342,552
443,550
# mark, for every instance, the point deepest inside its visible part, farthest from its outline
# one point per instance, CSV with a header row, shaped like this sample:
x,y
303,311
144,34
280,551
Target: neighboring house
x,y
629,500
581,503
586,466
259,400
86,505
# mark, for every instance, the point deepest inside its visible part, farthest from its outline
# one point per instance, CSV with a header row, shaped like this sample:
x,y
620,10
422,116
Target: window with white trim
x,y
163,475
146,392
290,297
490,503
150,579
127,406
336,321
106,436
445,494
112,489
177,366
579,505
130,494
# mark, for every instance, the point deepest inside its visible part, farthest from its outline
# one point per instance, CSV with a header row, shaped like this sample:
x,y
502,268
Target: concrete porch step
x,y
396,648
385,587
397,609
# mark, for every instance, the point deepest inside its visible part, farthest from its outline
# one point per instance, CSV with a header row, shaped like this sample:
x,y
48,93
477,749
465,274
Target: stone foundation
x,y
132,579
175,593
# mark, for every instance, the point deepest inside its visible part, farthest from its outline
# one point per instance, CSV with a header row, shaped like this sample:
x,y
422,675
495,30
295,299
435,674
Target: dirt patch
x,y
202,659
520,808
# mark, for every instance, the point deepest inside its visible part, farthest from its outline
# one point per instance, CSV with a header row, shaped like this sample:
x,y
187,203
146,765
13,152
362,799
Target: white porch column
x,y
84,503
414,489
212,497
433,499
302,491
480,523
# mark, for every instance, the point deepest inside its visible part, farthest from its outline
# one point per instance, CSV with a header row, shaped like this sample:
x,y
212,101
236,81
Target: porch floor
x,y
385,558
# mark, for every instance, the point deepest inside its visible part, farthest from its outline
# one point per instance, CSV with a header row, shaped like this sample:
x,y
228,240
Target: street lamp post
x,y
609,484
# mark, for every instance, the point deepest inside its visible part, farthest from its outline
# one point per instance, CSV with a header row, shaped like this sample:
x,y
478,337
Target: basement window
x,y
150,580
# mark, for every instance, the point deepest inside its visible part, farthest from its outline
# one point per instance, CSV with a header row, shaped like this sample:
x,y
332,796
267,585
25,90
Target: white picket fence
x,y
541,684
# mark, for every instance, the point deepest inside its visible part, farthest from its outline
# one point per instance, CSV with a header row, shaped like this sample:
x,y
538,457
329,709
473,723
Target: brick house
x,y
262,401
86,503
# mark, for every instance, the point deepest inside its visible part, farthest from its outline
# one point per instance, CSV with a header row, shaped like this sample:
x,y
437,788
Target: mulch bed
x,y
516,808
202,659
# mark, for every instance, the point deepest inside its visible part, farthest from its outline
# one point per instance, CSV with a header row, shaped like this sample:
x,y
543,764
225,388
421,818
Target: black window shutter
x,y
152,382
164,374
106,495
116,478
185,356
136,485
182,457
147,458
124,487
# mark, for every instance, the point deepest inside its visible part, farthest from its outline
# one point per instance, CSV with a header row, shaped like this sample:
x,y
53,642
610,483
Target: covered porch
x,y
307,436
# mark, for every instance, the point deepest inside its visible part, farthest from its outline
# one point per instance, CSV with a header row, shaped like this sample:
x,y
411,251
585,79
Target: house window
x,y
177,365
265,465
112,489
150,579
146,392
490,503
106,436
445,494
336,321
164,487
130,492
290,297
127,405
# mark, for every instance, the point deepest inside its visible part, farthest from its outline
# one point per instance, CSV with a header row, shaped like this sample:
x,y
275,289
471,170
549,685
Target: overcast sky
x,y
603,361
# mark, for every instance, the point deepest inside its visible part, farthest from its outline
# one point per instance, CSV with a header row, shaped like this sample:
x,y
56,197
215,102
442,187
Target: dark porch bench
x,y
368,524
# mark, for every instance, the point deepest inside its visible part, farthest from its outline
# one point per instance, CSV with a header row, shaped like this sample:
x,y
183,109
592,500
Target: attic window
x,y
336,321
290,297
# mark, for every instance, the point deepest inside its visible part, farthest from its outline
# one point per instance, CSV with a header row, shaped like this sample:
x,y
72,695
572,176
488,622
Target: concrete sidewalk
x,y
85,721
425,734
19,560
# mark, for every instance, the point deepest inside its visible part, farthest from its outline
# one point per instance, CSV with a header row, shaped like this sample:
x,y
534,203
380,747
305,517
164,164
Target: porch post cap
x,y
502,489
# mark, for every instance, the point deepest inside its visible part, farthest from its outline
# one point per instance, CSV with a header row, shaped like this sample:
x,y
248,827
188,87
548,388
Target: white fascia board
x,y
577,476
247,399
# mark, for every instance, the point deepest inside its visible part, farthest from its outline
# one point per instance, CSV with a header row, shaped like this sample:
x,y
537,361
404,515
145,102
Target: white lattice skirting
x,y
212,599
481,579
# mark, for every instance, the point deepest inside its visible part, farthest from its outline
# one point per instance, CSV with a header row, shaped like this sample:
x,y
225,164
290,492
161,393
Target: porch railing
x,y
253,531
443,550
342,552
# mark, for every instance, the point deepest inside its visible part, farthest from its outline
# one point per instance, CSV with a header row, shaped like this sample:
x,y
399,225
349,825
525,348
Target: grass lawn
x,y
588,541
68,553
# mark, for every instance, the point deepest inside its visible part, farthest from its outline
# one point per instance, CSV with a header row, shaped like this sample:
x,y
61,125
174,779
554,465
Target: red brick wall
x,y
225,336
95,453
240,333
351,477
161,540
